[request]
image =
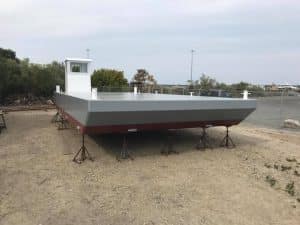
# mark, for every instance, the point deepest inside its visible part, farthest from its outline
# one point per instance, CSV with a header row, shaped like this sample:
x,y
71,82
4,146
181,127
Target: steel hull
x,y
149,113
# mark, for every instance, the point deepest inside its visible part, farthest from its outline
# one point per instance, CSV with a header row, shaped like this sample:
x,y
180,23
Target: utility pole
x,y
88,53
192,59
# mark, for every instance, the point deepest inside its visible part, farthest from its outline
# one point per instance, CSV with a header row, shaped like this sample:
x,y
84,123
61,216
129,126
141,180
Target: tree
x,y
222,86
240,86
193,84
8,54
144,80
20,77
9,73
57,69
108,78
255,90
41,81
206,82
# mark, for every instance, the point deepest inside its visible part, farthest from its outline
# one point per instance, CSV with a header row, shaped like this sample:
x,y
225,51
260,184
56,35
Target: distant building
x,y
271,87
288,87
274,87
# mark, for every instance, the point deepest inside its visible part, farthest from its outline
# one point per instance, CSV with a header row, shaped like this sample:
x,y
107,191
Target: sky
x,y
234,40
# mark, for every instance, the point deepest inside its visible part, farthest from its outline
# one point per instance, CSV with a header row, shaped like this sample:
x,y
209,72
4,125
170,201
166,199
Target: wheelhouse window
x,y
78,67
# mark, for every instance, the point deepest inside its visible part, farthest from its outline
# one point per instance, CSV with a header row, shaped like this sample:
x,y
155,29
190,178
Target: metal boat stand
x,y
62,122
227,141
82,153
204,140
168,147
55,118
2,123
124,154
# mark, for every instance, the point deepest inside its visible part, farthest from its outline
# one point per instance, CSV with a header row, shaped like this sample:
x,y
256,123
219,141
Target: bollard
x,y
94,93
57,89
135,90
245,94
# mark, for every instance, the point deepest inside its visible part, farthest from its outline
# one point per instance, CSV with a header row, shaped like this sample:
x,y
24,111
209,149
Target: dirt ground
x,y
39,183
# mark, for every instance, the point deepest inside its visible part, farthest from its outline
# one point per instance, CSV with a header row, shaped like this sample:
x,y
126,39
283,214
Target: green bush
x,y
20,77
109,78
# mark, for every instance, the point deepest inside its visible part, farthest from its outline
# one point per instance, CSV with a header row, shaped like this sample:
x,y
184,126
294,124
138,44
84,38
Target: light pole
x,y
192,59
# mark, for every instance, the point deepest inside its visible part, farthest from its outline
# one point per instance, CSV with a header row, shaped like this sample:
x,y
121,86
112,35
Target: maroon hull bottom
x,y
144,127
161,126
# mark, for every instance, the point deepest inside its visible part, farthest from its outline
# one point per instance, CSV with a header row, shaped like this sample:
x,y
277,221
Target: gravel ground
x,y
39,184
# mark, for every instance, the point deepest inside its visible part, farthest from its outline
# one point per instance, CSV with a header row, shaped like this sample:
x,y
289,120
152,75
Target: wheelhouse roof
x,y
77,60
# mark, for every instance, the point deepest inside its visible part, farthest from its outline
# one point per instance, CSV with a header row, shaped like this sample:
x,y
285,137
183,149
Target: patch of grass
x,y
298,199
290,188
296,173
284,168
268,165
276,166
291,159
271,180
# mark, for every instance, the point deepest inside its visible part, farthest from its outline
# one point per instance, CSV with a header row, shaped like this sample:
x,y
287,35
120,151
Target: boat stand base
x,y
82,154
204,140
168,147
55,118
60,121
124,154
227,141
2,123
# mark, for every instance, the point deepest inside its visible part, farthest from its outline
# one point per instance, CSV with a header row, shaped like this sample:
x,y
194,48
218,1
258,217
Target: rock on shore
x,y
289,123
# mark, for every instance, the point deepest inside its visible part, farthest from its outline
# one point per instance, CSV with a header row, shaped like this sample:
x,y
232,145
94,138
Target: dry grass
x,y
41,185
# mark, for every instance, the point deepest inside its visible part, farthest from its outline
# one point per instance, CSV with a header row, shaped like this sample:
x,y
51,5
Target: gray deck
x,y
129,96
